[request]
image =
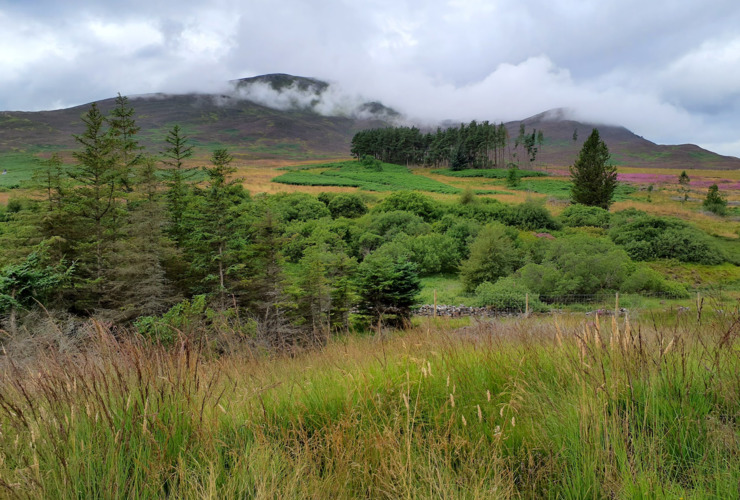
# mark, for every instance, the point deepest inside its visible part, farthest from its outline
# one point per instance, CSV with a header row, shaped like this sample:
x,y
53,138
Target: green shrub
x,y
493,255
347,205
410,201
530,215
390,224
182,318
714,201
433,253
647,237
507,294
298,206
647,280
462,231
582,215
578,264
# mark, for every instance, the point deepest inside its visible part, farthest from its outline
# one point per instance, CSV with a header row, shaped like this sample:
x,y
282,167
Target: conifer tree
x,y
126,148
216,239
94,205
594,179
176,179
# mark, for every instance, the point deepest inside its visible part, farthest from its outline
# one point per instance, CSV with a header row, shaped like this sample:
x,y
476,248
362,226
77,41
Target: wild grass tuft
x,y
530,408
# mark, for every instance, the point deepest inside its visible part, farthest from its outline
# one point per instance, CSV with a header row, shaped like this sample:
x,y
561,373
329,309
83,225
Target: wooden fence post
x,y
435,302
526,305
616,306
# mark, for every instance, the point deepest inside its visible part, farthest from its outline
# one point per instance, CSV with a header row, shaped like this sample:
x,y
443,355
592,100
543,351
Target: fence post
x,y
526,305
616,306
435,302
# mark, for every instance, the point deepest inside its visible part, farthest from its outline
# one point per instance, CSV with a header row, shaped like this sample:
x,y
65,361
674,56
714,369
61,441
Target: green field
x,y
489,173
20,168
354,174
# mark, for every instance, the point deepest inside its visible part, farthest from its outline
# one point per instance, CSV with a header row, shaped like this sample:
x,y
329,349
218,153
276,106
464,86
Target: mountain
x,y
290,117
271,116
626,148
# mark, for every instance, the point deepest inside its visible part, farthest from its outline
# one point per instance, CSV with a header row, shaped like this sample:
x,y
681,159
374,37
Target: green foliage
x,y
492,173
390,224
715,202
647,237
507,294
298,207
34,279
347,205
354,174
183,319
493,255
577,264
410,201
683,181
432,253
530,215
372,164
512,176
594,179
647,280
386,285
582,215
462,231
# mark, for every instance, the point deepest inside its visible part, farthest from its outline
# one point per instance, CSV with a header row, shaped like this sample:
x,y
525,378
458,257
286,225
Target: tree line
x,y
475,145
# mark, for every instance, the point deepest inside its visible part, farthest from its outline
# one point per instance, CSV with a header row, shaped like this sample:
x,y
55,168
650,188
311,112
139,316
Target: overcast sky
x,y
668,70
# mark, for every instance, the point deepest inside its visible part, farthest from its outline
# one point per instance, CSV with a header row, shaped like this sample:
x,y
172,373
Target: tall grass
x,y
530,408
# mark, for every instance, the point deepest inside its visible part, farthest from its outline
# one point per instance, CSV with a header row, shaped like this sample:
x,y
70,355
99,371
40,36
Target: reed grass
x,y
535,408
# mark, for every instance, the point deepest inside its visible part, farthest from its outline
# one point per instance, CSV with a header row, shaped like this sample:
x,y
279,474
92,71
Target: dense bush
x,y
578,264
462,231
647,280
583,215
507,294
493,255
647,237
410,201
530,215
433,253
390,224
298,206
347,205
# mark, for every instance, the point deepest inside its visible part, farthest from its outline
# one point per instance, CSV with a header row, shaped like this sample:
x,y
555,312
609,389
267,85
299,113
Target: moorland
x,y
203,296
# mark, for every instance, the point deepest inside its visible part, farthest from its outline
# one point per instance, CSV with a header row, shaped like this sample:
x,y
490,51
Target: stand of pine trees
x,y
475,145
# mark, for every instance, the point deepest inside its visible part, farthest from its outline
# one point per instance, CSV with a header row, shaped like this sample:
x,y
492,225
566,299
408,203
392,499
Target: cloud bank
x,y
669,71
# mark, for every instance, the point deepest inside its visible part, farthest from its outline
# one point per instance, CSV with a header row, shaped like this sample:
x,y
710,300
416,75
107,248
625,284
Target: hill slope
x,y
288,117
626,148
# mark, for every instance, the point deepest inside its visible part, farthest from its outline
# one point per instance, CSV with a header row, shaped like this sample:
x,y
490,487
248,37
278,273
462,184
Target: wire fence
x,y
604,303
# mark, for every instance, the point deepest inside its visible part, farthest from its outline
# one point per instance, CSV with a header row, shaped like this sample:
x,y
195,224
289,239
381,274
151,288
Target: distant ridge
x,y
293,117
626,147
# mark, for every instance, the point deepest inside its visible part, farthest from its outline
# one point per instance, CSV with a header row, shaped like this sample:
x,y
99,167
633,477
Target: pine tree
x,y
176,180
683,181
594,179
94,206
123,130
138,284
216,239
714,201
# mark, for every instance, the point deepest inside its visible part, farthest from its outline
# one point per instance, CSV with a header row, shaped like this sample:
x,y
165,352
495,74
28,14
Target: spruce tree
x,y
594,179
176,179
123,130
216,236
94,206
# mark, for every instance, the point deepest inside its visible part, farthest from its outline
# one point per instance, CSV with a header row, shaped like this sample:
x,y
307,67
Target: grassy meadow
x,y
523,408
